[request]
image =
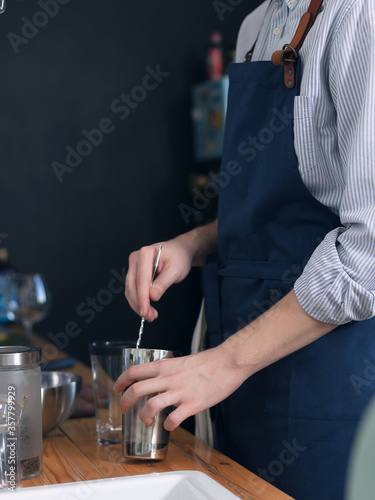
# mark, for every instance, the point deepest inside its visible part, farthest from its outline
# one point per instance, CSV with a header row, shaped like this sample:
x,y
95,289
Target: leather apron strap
x,y
289,53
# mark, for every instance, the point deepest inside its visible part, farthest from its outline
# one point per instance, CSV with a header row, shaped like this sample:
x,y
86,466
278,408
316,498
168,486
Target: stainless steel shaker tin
x,y
140,441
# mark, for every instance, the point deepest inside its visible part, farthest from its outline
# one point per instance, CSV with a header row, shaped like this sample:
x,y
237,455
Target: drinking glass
x,y
27,300
106,362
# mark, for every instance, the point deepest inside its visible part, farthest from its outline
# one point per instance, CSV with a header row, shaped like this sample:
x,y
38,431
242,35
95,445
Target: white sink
x,y
183,485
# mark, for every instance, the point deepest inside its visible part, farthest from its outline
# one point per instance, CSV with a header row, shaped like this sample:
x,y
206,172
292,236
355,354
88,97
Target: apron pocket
x,y
249,289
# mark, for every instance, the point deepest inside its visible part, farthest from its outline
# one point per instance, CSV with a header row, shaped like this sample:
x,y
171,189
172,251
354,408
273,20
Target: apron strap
x,y
289,53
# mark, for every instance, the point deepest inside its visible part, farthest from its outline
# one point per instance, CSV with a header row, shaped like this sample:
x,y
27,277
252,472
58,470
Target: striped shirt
x,y
334,139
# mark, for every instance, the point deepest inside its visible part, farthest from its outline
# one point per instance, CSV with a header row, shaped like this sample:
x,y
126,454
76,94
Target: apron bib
x,y
293,422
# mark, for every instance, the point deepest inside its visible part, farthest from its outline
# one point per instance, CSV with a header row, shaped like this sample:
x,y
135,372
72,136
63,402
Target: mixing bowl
x,y
60,392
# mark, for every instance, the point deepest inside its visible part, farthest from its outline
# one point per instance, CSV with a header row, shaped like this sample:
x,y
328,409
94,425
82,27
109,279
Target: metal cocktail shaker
x,y
140,441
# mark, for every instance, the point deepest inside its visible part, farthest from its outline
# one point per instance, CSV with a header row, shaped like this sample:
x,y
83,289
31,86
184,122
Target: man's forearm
x,y
284,329
202,241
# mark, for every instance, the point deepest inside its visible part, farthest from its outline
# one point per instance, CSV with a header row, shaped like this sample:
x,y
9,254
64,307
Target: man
x,y
289,295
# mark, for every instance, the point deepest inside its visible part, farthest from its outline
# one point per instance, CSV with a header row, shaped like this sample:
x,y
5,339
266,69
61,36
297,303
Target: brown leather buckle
x,y
287,48
289,54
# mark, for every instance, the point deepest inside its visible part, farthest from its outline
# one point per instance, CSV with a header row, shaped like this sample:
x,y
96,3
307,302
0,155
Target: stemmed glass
x,y
27,300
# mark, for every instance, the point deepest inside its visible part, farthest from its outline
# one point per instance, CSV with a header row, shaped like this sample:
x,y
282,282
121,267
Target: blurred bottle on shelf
x,y
215,58
208,109
6,272
209,99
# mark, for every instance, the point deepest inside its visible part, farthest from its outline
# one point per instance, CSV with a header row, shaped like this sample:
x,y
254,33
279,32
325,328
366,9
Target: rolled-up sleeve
x,y
338,282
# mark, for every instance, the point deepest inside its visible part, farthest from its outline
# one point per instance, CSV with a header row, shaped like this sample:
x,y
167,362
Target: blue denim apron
x,y
293,422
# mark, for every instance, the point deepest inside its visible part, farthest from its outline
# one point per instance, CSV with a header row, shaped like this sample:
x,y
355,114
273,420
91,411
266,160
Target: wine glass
x,y
27,300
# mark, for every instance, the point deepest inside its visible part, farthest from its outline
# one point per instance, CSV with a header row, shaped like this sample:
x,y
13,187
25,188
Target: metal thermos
x,y
20,393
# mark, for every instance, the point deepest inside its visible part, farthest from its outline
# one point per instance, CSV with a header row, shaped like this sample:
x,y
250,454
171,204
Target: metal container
x,y
138,440
20,387
60,391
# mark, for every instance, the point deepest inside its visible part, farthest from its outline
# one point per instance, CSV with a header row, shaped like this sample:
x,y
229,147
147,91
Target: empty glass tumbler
x,y
106,363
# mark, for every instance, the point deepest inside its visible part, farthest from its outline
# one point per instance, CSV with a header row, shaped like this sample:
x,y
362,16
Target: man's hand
x,y
174,265
191,383
197,382
176,259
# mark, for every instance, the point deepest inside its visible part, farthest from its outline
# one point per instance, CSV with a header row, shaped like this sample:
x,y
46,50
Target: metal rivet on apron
x,y
290,71
290,83
271,292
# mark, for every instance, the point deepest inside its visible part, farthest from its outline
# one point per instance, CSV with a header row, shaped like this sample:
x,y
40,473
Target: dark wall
x,y
78,230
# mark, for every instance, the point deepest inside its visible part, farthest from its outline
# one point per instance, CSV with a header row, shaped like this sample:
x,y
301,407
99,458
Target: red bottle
x,y
215,57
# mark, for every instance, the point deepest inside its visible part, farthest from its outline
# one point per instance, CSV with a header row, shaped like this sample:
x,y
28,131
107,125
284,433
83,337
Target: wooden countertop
x,y
72,453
